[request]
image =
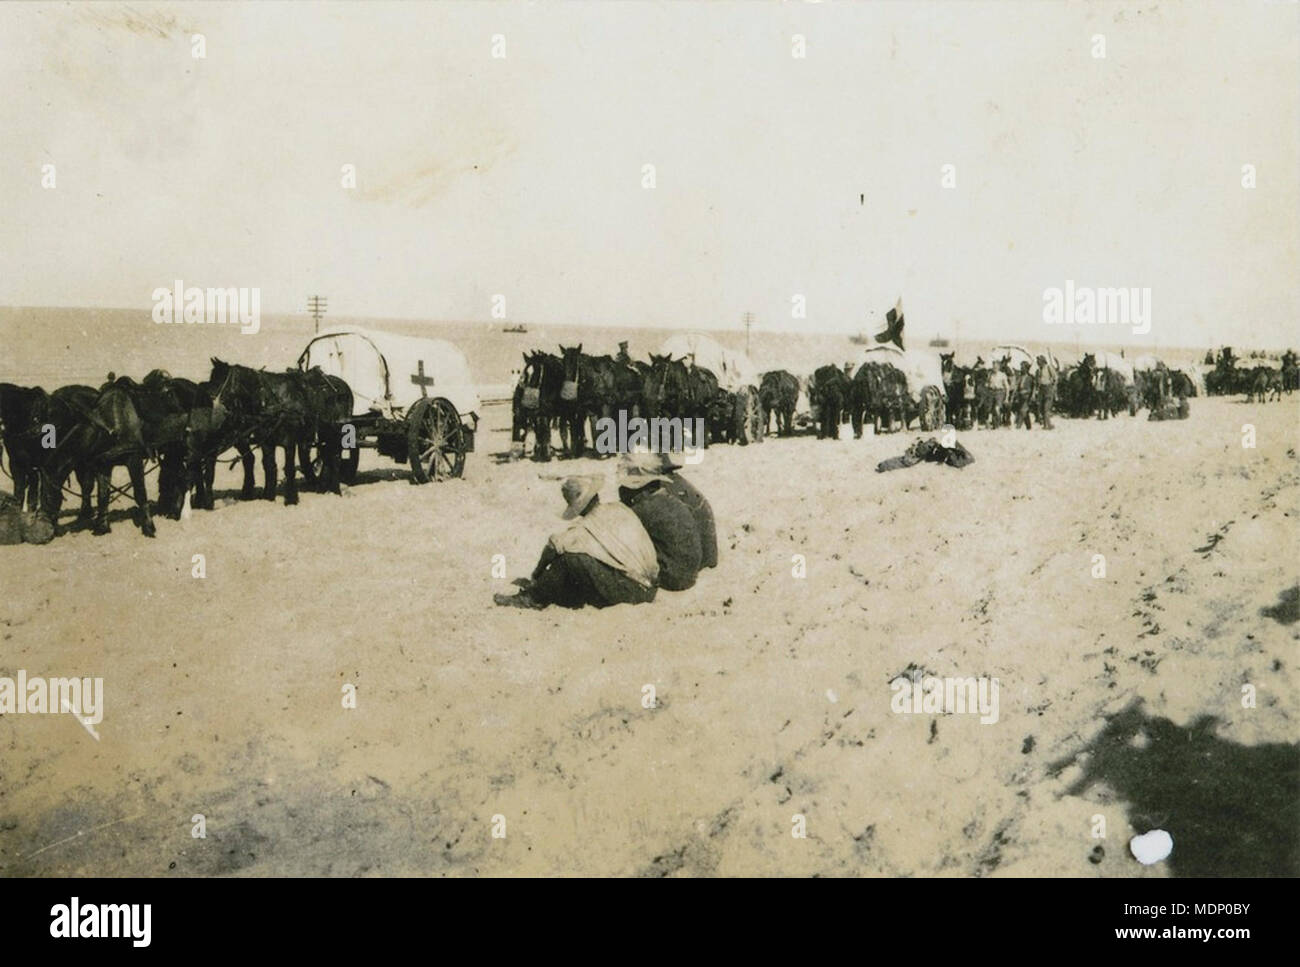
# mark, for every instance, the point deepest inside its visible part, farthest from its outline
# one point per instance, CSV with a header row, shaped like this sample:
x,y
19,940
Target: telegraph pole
x,y
749,321
316,305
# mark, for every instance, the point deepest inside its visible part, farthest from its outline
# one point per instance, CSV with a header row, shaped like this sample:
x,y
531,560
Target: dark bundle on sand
x,y
1171,410
19,526
928,451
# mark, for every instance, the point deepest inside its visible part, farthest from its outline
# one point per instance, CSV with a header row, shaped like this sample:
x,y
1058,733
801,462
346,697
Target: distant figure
x,y
998,385
683,490
1024,396
669,524
604,558
1046,392
623,356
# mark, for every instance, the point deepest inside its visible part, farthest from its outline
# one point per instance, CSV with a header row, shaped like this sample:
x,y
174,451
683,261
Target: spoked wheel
x,y
436,443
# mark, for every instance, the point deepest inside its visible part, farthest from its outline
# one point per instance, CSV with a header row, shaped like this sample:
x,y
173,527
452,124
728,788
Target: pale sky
x,y
523,176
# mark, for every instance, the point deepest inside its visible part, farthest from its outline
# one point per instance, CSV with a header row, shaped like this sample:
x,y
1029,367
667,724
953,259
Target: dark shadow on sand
x,y
1233,810
1287,609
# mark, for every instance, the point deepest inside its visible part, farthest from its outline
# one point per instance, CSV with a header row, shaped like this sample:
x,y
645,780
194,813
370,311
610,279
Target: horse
x,y
1264,381
1180,384
536,403
180,427
778,393
672,390
1109,393
96,435
831,388
866,398
575,396
962,385
930,409
1290,372
329,402
262,409
608,387
22,411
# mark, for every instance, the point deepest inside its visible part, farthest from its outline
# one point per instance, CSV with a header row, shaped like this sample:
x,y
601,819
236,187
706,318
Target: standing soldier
x,y
622,356
1046,392
1025,396
998,386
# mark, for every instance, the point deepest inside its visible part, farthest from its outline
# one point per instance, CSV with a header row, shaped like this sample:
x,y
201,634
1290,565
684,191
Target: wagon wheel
x,y
435,441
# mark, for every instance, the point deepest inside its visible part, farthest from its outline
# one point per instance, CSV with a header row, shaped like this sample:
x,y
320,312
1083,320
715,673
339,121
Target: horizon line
x,y
845,333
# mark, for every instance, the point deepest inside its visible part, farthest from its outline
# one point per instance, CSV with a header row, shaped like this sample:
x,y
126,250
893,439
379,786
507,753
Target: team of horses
x,y
1259,383
568,393
83,432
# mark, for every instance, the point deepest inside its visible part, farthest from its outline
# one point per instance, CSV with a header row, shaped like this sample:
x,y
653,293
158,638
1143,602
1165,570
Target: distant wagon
x,y
414,398
923,372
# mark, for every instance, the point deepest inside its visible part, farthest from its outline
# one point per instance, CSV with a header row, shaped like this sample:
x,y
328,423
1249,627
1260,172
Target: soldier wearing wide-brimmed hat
x,y
667,520
1025,386
662,464
604,557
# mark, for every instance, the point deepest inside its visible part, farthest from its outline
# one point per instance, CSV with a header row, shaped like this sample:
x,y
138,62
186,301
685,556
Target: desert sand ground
x,y
223,695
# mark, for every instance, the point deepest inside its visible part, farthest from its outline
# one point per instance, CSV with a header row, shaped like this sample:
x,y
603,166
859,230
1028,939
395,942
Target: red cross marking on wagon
x,y
422,381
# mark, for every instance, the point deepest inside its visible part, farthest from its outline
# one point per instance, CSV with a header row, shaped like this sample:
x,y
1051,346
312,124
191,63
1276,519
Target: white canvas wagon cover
x,y
1115,362
921,369
388,372
733,368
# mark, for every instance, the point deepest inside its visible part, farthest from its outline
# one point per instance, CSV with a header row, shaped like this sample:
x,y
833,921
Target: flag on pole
x,y
892,330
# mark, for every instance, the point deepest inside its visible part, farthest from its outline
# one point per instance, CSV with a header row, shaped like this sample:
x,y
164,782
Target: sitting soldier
x,y
662,464
669,523
605,557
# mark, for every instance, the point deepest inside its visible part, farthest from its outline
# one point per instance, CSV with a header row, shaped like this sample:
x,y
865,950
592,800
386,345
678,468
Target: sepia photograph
x,y
647,439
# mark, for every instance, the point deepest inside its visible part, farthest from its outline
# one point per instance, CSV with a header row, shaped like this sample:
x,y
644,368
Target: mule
x,y
778,394
832,391
96,436
268,410
329,404
536,404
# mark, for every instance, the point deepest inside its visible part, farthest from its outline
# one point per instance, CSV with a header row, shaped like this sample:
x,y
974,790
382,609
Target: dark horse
x,y
592,388
1290,372
778,393
671,389
181,427
329,404
31,422
831,395
22,415
97,435
879,393
1264,382
964,386
536,403
1103,391
267,410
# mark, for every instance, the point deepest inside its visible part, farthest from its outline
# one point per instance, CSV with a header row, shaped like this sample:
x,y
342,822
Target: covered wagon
x,y
413,398
923,371
1015,355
